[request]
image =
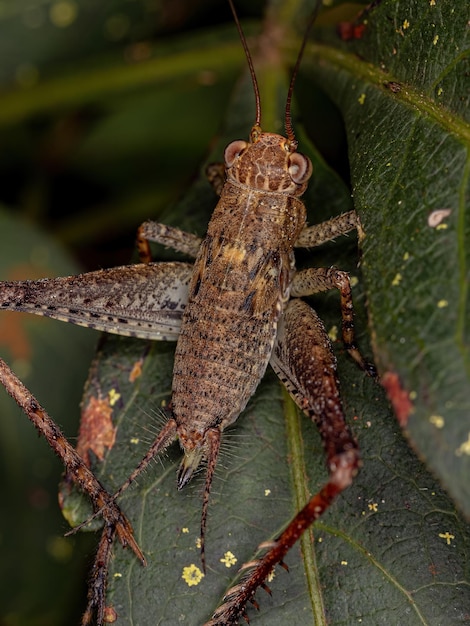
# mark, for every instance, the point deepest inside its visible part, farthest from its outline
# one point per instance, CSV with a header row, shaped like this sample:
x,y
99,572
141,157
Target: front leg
x,y
304,361
172,237
168,236
318,234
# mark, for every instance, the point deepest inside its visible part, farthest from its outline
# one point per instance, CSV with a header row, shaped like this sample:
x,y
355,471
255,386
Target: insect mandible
x,y
239,317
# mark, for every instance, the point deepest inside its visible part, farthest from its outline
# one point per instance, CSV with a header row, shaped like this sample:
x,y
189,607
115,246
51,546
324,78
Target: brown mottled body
x,y
244,268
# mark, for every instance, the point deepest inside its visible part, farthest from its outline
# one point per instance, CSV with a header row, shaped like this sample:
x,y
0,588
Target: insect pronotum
x,y
233,312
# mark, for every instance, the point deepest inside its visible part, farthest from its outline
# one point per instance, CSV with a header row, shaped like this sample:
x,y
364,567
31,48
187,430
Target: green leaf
x,y
402,93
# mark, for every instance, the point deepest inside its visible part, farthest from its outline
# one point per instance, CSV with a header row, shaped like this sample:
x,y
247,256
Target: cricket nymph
x,y
245,265
238,308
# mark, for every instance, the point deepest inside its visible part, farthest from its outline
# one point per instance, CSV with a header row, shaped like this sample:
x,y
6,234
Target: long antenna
x,y
250,63
288,117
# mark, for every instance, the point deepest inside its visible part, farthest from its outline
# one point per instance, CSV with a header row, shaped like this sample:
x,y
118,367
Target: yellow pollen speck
x,y
63,13
442,304
396,281
435,40
198,543
344,562
440,91
373,507
185,531
437,420
117,575
442,227
413,395
362,98
406,25
229,559
447,536
271,576
135,440
388,164
464,448
353,281
113,396
432,3
333,333
267,492
406,256
320,539
192,575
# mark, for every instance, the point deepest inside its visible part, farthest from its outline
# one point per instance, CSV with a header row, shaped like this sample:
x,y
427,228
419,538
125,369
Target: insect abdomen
x,y
215,375
239,285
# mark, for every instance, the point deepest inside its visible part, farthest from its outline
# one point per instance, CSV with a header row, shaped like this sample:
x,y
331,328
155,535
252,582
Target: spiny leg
x,y
145,300
213,437
166,436
318,234
304,361
215,173
114,519
99,578
172,237
317,279
168,236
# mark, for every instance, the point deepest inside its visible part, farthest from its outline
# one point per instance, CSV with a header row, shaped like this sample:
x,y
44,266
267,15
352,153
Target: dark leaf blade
x,y
394,529
408,147
383,552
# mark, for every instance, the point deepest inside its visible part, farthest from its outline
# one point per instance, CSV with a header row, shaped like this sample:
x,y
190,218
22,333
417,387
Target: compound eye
x,y
233,151
300,168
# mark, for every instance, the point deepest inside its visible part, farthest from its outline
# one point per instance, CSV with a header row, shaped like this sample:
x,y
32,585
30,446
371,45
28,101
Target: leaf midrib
x,y
301,495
